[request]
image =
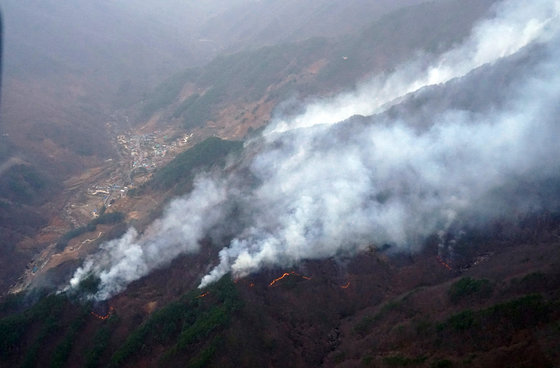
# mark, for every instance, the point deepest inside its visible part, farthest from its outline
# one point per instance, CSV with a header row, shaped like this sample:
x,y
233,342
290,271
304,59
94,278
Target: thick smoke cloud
x,y
318,189
328,191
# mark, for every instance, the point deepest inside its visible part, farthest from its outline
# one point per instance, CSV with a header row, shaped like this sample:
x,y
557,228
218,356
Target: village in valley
x,y
93,194
139,155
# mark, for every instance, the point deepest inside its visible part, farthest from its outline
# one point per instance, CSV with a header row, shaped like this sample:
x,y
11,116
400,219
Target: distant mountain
x,y
248,84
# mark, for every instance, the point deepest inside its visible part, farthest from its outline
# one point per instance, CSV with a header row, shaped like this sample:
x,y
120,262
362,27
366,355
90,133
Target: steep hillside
x,y
500,308
23,189
413,221
234,95
64,92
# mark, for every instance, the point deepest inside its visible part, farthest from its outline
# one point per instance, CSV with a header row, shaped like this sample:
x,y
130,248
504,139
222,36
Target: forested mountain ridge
x,y
482,291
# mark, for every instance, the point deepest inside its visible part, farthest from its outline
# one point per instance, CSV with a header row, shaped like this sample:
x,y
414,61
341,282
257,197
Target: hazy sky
x,y
65,36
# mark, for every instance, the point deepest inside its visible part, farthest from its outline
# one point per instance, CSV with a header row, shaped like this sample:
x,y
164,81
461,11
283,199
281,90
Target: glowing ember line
x,y
345,286
105,317
286,274
203,295
442,262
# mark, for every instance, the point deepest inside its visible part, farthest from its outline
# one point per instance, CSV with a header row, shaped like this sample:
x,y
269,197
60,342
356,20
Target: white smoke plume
x,y
183,224
517,24
327,191
324,192
318,189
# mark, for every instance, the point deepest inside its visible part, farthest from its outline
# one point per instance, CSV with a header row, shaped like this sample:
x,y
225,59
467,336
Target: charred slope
x,y
499,307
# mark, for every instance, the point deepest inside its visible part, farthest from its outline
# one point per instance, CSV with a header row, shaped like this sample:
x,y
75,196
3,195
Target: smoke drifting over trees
x,y
325,183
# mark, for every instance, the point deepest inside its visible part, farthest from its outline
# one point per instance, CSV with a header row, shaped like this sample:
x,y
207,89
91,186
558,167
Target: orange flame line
x,y
203,295
286,274
441,261
346,286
